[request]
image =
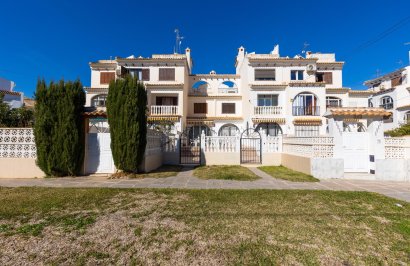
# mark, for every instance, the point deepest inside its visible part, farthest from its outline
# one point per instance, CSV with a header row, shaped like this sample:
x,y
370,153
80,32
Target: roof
x,y
387,76
361,92
229,76
337,90
16,93
96,90
306,84
354,111
29,103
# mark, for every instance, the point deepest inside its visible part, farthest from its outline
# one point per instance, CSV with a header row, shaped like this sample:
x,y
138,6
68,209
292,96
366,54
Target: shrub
x,y
16,117
403,130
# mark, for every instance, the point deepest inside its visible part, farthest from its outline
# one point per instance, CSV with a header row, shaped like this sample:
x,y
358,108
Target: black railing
x,y
305,110
387,106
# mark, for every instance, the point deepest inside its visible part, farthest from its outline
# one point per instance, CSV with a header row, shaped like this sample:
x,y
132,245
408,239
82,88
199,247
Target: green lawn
x,y
210,227
163,171
282,172
225,172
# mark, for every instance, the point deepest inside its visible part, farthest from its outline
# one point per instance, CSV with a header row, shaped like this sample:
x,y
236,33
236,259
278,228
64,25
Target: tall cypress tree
x,y
126,109
59,130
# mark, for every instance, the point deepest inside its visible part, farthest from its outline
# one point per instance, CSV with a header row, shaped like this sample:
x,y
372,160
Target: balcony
x,y
164,110
305,110
264,111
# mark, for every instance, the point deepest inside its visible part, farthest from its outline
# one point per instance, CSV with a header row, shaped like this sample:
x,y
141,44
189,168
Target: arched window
x,y
196,131
227,87
407,117
228,130
305,103
361,127
200,88
386,102
346,128
333,102
370,103
99,100
270,129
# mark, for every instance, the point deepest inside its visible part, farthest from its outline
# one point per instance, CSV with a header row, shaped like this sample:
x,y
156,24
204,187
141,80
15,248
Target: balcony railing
x,y
387,106
164,110
267,110
305,110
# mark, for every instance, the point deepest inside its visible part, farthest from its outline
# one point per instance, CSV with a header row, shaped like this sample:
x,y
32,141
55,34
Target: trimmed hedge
x,y
127,117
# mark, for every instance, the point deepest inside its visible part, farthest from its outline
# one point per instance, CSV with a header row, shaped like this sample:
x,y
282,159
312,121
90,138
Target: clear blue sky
x,y
57,39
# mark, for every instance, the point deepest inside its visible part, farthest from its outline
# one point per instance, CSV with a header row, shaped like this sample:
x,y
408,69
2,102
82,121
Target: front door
x,y
356,152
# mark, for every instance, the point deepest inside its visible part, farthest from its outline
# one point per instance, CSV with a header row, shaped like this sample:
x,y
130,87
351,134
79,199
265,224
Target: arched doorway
x,y
251,146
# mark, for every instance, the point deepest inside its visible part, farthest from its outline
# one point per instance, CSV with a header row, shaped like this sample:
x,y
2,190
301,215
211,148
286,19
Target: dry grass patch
x,y
225,172
282,172
207,227
161,172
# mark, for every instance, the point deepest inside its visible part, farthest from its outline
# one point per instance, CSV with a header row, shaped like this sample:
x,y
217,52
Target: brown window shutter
x,y
200,108
396,81
166,74
106,77
228,108
145,74
328,78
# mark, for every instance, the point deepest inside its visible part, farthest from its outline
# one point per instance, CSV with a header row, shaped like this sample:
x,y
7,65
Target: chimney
x,y
189,59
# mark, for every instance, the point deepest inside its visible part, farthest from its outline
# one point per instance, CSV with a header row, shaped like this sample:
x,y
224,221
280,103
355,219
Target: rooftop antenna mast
x,y
305,46
408,43
178,42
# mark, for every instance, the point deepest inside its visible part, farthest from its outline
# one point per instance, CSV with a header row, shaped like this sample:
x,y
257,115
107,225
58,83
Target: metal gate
x,y
189,149
251,146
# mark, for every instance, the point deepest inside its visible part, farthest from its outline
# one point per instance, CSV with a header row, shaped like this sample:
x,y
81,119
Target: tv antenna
x,y
305,46
178,42
408,43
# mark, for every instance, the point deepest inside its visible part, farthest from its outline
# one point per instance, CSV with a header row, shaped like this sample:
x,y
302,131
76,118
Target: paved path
x,y
185,179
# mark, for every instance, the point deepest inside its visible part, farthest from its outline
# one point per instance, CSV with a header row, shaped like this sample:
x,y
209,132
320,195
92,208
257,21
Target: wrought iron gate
x,y
189,149
251,146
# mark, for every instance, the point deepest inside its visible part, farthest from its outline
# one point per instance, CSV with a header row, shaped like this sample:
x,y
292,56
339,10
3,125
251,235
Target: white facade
x,y
277,95
391,91
13,98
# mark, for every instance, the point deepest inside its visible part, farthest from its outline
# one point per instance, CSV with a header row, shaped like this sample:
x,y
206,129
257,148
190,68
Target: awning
x,y
163,118
311,121
268,120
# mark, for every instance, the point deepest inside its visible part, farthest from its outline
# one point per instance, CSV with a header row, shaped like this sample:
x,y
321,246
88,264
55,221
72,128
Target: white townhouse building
x,y
273,94
13,98
391,92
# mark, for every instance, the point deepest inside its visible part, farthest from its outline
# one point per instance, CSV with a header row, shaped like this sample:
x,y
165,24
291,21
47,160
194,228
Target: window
x,y
267,100
228,108
196,131
305,104
296,75
270,129
386,102
99,100
407,117
326,77
106,77
141,74
306,131
369,103
167,74
166,100
200,108
265,74
228,130
333,102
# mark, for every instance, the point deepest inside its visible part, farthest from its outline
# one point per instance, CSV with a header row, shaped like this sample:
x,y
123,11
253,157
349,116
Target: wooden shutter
x,y
328,77
145,74
228,108
167,74
106,77
396,81
200,108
